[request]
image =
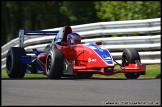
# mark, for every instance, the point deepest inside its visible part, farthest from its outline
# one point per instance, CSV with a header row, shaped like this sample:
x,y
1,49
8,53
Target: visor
x,y
75,40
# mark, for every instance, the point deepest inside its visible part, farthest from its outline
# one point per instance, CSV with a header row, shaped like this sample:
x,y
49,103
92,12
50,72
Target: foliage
x,y
79,12
127,10
16,15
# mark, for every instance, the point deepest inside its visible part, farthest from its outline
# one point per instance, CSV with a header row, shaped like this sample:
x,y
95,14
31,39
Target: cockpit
x,y
62,35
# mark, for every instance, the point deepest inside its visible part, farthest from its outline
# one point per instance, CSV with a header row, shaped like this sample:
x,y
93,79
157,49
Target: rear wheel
x,y
130,56
55,64
14,67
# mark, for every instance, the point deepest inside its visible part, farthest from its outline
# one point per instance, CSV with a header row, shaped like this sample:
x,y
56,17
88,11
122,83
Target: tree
x,y
79,12
31,15
37,15
8,15
127,10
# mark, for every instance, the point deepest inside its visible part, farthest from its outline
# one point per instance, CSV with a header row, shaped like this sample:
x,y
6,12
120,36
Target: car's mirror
x,y
98,43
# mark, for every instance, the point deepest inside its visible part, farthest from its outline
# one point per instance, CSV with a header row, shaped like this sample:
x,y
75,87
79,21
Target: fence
x,y
148,45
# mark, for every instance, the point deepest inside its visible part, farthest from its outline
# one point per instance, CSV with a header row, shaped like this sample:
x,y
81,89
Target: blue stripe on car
x,y
103,53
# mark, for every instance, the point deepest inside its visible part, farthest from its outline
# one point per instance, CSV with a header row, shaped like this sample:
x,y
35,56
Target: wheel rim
x,y
49,64
125,60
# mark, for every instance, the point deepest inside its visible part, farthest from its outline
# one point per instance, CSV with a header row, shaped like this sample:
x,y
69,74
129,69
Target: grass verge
x,y
152,71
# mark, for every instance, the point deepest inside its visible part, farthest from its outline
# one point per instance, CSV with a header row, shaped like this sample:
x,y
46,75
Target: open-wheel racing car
x,y
67,55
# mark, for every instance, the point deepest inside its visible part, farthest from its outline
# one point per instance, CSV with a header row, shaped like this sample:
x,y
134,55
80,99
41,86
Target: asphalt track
x,y
67,91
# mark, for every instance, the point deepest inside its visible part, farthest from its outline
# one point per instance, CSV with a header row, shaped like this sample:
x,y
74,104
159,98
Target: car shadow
x,y
158,76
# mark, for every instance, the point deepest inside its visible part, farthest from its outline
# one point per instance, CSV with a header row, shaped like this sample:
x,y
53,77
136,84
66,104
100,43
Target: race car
x,y
67,55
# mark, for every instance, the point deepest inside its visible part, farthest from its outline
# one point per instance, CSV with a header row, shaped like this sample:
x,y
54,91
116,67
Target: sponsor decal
x,y
94,60
89,59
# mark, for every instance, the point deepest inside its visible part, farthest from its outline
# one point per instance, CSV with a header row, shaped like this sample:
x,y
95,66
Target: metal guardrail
x,y
148,44
118,27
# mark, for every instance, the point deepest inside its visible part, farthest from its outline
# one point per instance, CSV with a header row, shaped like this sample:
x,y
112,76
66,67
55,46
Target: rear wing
x,y
33,32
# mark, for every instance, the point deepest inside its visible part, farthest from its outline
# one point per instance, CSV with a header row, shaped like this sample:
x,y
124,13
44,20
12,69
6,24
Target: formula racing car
x,y
67,55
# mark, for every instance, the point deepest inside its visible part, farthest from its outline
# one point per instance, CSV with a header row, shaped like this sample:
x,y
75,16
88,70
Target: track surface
x,y
67,91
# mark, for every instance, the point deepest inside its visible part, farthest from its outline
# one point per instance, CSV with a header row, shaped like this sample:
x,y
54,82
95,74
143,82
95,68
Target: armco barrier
x,y
148,46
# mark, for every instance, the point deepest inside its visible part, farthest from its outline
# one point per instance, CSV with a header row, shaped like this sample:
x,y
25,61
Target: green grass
x,y
4,75
152,71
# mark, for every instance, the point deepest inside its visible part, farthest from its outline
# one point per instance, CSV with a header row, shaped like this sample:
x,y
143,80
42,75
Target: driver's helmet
x,y
74,38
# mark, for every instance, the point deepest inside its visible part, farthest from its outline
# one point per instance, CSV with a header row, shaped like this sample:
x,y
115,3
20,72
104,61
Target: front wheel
x,y
130,56
55,64
131,75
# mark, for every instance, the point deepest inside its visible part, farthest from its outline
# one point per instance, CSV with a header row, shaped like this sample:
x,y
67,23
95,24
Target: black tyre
x,y
14,67
130,56
84,75
55,64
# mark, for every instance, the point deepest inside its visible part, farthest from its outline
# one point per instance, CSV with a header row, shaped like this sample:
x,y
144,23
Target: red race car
x,y
67,55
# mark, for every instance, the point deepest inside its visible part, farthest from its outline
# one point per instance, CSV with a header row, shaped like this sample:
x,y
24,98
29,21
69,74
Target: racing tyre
x,y
130,56
84,75
55,64
14,67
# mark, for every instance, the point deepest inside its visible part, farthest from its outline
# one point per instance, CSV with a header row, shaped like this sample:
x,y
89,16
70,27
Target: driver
x,y
73,38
